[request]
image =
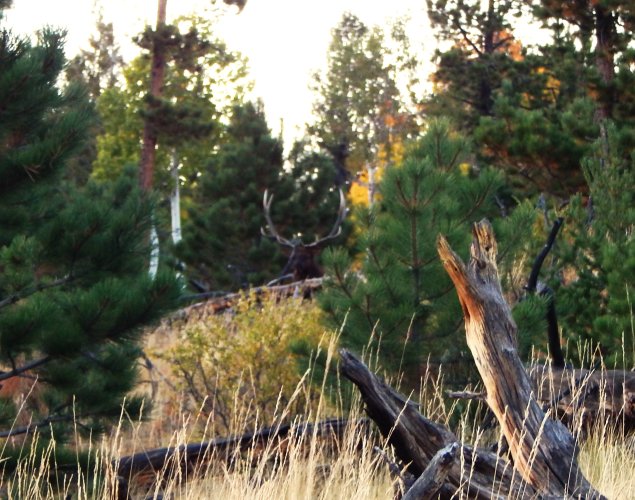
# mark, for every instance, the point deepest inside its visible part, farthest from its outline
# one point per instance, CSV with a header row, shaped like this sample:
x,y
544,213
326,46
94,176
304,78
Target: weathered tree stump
x,y
543,451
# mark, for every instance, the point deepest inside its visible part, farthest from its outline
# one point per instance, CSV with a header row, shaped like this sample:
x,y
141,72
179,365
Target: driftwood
x,y
214,302
147,467
543,451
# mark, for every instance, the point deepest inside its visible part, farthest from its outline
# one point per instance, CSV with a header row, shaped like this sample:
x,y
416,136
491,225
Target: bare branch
x,y
12,299
532,282
28,429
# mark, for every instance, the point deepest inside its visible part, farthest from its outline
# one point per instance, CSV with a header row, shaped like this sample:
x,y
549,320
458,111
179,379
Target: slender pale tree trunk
x,y
175,198
372,184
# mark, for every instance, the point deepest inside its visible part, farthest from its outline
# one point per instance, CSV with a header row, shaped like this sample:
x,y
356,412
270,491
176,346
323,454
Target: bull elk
x,y
302,263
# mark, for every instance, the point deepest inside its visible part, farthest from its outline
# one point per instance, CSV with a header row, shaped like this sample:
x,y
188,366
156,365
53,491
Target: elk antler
x,y
336,230
271,231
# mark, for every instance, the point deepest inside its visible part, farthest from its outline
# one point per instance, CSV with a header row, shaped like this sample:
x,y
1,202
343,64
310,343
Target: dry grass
x,y
303,467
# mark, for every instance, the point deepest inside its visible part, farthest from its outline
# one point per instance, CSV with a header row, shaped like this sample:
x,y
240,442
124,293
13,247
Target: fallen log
x,y
580,398
584,399
210,303
147,467
543,451
479,474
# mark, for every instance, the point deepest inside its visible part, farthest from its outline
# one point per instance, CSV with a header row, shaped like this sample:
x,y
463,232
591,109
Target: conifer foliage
x,y
400,300
74,290
594,285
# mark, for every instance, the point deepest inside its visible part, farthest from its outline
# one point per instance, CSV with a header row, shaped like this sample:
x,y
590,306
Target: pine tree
x,y
221,237
74,290
203,80
606,28
401,301
469,73
594,285
542,121
99,67
526,107
358,102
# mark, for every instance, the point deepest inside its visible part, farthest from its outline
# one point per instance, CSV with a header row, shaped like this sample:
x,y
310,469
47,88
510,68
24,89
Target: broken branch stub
x,y
543,449
430,481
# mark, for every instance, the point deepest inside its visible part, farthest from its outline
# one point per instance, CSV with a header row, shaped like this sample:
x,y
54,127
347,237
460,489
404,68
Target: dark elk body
x,y
302,263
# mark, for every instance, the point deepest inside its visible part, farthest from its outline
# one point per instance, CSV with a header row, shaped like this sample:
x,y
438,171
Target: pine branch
x,y
25,368
12,299
28,429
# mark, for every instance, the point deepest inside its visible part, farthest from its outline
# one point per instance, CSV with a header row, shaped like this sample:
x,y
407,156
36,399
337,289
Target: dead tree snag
x,y
543,450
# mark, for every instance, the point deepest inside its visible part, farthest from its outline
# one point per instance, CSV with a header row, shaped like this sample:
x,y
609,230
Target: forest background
x,y
112,168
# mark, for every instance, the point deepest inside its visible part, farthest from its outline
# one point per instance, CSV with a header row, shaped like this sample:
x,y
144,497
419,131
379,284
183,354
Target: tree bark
x,y
605,37
149,144
175,198
543,450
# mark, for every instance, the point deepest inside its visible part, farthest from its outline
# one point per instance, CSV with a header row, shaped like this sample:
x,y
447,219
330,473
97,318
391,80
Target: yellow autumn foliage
x,y
388,155
240,366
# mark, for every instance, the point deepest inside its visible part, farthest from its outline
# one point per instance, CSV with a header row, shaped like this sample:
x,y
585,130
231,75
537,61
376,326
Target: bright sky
x,y
285,40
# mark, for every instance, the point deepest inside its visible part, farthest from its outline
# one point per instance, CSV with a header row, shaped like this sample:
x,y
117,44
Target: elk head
x,y
302,263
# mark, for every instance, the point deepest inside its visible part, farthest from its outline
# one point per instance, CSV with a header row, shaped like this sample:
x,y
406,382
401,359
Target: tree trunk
x,y
605,37
175,198
148,149
543,450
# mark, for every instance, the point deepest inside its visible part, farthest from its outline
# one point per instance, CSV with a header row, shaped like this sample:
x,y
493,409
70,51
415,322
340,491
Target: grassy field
x,y
303,467
308,466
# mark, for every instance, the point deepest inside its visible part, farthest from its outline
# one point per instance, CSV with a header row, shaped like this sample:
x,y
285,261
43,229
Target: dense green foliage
x,y
239,367
595,276
222,245
550,126
74,290
400,301
203,79
526,107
